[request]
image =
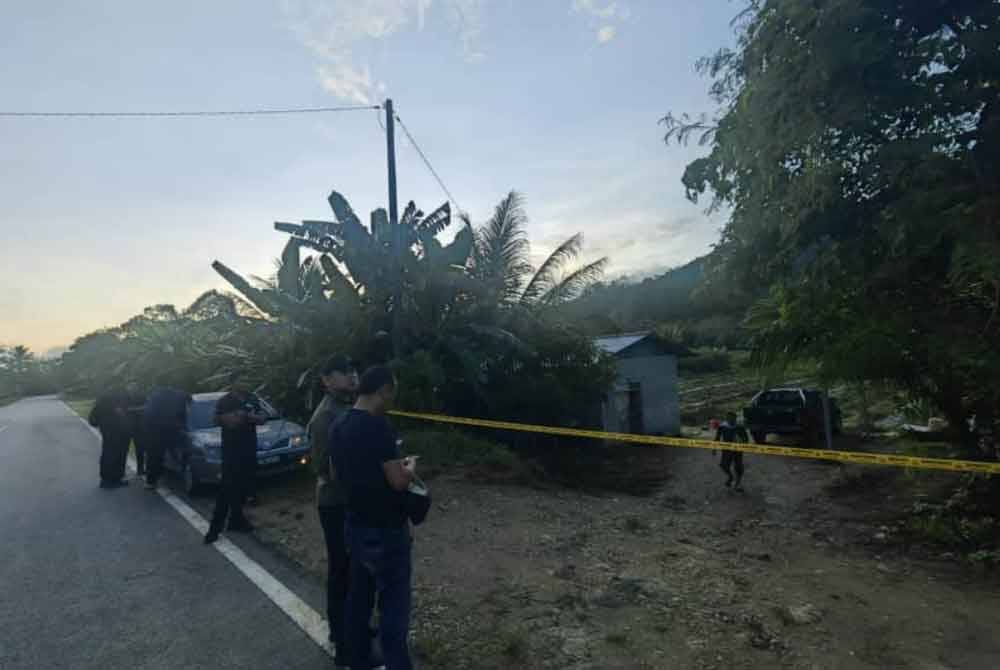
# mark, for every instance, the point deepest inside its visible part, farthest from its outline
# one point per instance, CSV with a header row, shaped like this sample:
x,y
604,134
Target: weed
x,y
618,638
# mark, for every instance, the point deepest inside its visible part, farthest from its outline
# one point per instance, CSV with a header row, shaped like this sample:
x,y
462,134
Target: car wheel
x,y
192,485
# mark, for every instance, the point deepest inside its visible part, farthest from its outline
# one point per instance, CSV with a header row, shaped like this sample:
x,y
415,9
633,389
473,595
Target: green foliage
x,y
23,374
856,148
447,449
480,331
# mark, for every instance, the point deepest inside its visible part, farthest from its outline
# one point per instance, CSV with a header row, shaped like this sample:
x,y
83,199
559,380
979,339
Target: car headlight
x,y
296,441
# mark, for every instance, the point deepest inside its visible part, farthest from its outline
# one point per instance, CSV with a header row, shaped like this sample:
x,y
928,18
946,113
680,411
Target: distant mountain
x,y
624,304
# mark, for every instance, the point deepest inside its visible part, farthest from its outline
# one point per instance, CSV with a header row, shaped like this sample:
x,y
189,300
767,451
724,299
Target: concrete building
x,y
645,398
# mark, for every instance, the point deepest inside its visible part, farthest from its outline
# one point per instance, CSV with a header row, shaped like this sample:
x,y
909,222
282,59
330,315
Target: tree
x,y
23,374
500,261
857,147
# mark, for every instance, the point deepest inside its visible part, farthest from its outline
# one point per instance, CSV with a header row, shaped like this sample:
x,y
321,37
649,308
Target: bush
x,y
443,450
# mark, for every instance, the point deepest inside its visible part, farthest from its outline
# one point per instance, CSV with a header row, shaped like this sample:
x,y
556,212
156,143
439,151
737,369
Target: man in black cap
x,y
238,413
339,379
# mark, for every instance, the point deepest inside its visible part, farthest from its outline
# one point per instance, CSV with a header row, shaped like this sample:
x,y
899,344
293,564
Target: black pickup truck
x,y
790,411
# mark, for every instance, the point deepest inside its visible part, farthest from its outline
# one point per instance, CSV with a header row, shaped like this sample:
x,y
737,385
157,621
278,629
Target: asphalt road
x,y
93,578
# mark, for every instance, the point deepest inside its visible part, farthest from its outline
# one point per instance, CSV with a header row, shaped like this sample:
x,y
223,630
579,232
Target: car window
x,y
201,414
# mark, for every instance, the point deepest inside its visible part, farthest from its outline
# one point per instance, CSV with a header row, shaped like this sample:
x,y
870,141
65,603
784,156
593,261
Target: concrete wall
x,y
657,376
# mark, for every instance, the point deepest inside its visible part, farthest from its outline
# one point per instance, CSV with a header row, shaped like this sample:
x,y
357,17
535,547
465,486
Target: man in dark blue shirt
x,y
367,461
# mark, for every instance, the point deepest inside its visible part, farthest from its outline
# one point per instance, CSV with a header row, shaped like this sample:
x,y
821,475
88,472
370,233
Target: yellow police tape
x,y
795,452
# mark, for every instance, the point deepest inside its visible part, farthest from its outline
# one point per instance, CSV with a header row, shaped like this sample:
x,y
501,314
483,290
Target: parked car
x,y
282,445
789,411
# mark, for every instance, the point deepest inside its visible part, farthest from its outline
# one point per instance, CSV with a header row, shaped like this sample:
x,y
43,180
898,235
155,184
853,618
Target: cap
x,y
338,363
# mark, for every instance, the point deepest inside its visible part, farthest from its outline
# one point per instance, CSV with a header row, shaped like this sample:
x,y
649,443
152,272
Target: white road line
x,y
304,616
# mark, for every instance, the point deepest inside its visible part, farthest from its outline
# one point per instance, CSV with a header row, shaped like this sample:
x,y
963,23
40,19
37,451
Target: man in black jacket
x,y
110,416
238,413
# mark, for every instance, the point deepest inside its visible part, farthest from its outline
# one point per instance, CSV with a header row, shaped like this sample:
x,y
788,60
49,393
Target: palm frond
x,y
342,210
545,279
501,249
288,279
254,295
573,284
435,222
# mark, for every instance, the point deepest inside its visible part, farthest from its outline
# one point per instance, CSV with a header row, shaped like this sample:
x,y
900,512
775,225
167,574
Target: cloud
x,y
605,34
334,31
594,8
603,16
347,82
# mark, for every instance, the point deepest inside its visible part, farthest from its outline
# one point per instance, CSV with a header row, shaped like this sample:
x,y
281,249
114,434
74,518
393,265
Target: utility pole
x,y
397,238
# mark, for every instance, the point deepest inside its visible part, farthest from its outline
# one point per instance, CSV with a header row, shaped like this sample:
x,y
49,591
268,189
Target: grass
x,y
81,406
442,450
619,638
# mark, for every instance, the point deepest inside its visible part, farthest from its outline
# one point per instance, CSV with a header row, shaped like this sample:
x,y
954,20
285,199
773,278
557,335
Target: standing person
x,y
136,407
339,378
164,419
730,431
368,464
238,413
110,416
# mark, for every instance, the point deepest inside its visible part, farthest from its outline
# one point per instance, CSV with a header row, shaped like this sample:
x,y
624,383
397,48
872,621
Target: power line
x,y
430,167
238,112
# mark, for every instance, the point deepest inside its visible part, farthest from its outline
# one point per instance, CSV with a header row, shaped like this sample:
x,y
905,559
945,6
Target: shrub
x,y
442,450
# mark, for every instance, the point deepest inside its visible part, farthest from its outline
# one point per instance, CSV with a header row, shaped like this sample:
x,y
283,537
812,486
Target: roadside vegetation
x,y
855,150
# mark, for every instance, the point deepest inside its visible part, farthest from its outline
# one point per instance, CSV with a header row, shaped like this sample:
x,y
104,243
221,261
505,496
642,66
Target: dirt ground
x,y
797,572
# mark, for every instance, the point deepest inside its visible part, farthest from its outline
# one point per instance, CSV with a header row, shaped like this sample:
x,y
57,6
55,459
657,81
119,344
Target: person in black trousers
x,y
238,413
164,419
136,408
731,431
339,379
110,416
366,454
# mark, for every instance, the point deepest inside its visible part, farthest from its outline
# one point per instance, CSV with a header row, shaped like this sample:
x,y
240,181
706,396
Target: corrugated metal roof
x,y
617,343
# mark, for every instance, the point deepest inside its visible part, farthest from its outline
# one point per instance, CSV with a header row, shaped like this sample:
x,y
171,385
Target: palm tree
x,y
501,261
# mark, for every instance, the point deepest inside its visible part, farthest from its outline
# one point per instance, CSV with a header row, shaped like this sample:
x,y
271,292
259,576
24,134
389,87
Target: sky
x,y
558,99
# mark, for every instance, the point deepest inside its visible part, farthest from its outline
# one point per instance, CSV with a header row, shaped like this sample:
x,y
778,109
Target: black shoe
x,y
729,482
340,663
244,527
104,485
211,537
